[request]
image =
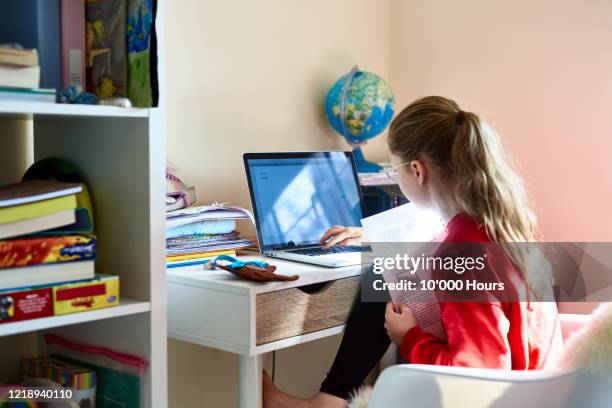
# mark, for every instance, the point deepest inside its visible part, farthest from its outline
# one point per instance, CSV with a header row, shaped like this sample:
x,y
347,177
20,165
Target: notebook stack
x,y
47,251
195,235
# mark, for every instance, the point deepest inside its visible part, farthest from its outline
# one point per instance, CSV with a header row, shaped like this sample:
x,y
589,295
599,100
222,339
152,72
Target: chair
x,y
427,386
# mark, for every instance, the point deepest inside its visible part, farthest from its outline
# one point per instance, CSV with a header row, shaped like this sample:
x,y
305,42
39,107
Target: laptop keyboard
x,y
318,251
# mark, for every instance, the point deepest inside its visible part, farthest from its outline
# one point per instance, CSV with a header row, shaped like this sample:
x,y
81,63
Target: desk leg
x,y
250,381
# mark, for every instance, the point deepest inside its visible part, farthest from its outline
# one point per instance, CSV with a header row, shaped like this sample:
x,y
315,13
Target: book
x,y
140,23
18,57
72,18
14,76
46,222
198,255
106,42
59,299
35,24
27,95
82,225
35,190
97,293
46,250
46,274
189,262
37,209
386,231
25,304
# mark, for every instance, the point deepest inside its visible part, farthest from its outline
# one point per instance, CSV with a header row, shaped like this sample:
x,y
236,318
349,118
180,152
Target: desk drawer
x,y
292,312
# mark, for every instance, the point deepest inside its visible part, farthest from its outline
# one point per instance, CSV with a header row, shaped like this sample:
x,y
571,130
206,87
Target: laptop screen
x,y
296,197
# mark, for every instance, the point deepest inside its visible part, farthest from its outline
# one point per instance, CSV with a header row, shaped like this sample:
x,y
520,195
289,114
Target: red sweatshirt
x,y
509,335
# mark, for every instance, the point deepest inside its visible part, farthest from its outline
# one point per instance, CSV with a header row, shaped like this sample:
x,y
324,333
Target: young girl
x,y
450,161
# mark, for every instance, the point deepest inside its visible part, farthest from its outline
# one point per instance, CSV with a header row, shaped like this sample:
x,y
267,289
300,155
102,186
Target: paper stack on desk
x,y
197,234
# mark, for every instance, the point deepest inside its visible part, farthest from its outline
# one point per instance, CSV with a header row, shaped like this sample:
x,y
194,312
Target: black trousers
x,y
364,343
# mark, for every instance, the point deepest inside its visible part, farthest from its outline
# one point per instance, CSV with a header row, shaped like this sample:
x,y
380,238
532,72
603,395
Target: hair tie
x,y
459,119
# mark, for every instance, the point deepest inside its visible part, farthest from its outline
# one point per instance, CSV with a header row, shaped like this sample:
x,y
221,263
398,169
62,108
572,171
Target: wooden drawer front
x,y
292,312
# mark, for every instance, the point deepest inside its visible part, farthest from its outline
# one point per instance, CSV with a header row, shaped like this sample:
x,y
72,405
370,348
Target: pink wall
x,y
541,73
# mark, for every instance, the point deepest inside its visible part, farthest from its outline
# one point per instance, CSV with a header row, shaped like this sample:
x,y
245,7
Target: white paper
x,y
402,224
214,211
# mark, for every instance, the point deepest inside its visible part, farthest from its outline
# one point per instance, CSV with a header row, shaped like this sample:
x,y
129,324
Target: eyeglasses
x,y
393,172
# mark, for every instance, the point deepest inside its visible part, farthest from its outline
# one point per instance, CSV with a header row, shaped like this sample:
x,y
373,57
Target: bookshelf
x,y
122,155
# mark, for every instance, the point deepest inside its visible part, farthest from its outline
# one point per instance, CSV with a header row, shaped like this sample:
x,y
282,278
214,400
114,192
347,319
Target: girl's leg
x,y
364,342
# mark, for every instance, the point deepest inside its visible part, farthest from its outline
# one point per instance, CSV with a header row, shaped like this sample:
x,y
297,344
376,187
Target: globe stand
x,y
364,166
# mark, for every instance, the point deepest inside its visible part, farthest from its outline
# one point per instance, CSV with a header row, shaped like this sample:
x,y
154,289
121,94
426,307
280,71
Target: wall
x,y
252,76
541,73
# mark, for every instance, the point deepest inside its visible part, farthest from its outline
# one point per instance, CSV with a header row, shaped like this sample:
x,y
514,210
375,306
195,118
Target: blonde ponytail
x,y
473,167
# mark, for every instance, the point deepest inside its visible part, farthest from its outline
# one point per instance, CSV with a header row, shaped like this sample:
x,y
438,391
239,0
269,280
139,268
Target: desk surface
x,y
224,281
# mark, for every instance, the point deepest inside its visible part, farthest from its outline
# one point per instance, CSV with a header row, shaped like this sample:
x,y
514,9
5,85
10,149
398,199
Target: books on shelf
x,y
35,190
18,57
35,24
19,68
29,251
37,209
43,223
53,300
45,274
72,19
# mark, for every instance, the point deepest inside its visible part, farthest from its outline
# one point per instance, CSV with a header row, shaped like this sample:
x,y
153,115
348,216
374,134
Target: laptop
x,y
297,197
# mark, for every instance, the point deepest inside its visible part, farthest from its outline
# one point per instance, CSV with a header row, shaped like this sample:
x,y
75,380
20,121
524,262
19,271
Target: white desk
x,y
216,309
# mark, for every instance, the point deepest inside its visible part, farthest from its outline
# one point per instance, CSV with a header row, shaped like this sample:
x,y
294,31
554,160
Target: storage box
x,y
80,296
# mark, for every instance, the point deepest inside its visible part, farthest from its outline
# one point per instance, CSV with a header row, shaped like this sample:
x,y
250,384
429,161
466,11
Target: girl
x,y
450,161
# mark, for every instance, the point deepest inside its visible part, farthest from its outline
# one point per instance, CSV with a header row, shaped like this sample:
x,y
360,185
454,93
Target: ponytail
x,y
472,165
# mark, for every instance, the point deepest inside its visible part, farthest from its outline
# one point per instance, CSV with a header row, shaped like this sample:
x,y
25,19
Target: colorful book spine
x,y
81,296
25,304
199,255
72,16
45,250
106,47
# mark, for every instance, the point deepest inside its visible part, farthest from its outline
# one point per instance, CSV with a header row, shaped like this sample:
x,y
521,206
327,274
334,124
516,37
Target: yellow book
x,y
90,294
200,255
37,209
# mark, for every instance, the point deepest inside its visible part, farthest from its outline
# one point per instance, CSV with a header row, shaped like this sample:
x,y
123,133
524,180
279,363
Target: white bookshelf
x,y
127,307
121,154
28,110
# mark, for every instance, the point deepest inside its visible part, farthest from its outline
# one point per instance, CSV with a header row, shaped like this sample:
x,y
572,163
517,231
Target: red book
x,y
72,17
25,304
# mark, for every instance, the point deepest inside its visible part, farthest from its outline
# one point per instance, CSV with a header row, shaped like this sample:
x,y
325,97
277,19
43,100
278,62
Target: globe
x,y
360,106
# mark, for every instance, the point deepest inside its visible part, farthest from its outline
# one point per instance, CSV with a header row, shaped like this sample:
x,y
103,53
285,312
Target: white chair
x,y
426,386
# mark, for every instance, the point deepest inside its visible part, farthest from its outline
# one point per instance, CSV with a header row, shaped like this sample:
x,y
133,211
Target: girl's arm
x,y
476,336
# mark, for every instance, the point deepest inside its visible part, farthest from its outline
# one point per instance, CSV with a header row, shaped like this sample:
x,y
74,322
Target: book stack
x,y
20,76
195,235
47,253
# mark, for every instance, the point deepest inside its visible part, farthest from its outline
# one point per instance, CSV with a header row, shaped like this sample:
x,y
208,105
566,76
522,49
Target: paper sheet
x,y
403,224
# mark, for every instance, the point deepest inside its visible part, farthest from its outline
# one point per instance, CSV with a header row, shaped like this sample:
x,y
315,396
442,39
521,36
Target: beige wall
x,y
246,76
252,75
541,72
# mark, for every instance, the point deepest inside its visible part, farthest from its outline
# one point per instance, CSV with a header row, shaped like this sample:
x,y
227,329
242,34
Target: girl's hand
x,y
339,235
398,324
